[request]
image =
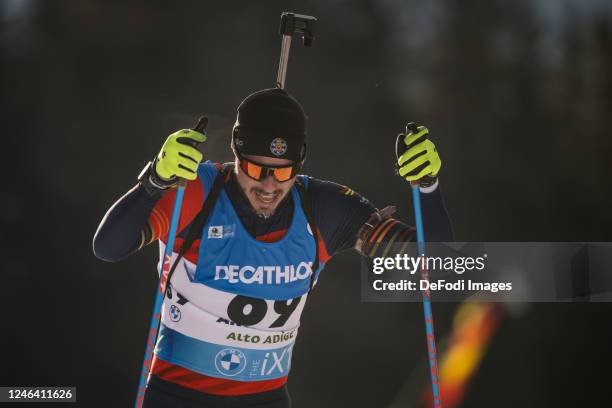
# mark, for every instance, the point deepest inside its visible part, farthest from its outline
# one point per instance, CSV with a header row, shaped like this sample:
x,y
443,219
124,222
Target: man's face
x,y
265,195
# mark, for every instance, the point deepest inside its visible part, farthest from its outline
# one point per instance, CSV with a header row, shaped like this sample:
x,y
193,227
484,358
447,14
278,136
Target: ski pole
x,y
429,323
161,291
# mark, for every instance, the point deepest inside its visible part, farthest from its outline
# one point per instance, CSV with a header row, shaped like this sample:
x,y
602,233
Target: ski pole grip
x,y
412,127
400,146
199,127
202,124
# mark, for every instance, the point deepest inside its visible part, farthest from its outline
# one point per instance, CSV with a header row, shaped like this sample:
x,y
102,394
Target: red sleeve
x,y
159,219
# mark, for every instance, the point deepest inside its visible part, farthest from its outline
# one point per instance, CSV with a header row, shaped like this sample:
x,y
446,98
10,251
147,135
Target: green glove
x,y
178,157
421,158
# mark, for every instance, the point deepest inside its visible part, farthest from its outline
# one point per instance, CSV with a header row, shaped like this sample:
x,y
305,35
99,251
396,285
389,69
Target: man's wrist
x,y
154,185
429,187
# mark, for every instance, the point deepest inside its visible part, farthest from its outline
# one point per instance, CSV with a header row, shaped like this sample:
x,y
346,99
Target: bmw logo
x,y
230,362
278,147
175,313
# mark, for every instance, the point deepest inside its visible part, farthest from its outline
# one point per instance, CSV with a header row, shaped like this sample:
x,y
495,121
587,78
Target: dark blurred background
x,y
517,96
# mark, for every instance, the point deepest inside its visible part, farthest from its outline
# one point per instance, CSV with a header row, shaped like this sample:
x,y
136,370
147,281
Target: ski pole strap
x,y
195,229
307,205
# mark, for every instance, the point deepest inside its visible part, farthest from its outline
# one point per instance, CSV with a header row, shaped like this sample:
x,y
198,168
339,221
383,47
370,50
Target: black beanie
x,y
270,123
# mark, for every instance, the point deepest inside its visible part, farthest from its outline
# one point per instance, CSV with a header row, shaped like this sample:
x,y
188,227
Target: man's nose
x,y
269,184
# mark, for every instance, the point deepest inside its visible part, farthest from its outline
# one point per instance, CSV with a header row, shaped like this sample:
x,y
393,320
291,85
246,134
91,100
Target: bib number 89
x,y
248,311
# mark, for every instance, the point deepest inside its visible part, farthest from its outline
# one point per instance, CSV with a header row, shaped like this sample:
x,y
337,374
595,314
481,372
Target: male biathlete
x,y
232,311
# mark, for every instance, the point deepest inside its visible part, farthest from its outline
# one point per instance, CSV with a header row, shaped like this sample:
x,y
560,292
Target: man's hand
x,y
420,159
178,156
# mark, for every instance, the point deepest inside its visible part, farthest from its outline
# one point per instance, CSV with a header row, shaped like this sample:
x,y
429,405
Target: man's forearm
x,y
124,229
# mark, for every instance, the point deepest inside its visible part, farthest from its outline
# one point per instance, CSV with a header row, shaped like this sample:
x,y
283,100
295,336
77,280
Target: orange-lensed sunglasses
x,y
259,172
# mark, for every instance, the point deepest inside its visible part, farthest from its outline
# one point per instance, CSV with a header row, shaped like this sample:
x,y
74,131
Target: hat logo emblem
x,y
278,147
